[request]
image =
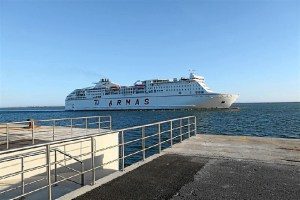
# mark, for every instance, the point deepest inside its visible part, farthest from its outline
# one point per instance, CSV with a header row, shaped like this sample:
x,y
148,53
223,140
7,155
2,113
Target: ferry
x,y
182,93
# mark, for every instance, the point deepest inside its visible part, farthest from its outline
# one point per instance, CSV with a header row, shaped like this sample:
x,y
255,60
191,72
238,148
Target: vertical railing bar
x,y
189,128
7,136
123,150
171,133
53,130
93,161
71,127
82,174
48,162
143,143
86,125
195,119
55,166
159,138
22,175
99,124
32,130
180,129
110,123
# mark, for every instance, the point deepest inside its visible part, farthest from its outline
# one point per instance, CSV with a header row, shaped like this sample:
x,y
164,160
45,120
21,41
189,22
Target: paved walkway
x,y
265,149
213,167
193,177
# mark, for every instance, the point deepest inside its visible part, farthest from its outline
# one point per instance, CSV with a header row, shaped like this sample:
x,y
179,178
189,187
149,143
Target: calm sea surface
x,y
256,119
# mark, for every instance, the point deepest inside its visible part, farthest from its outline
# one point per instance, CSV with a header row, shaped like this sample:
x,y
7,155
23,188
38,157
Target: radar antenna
x,y
192,71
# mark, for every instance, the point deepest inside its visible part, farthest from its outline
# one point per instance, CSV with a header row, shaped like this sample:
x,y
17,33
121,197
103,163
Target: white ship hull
x,y
151,102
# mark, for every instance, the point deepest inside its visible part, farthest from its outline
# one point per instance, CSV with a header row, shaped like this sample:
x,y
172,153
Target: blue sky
x,y
49,48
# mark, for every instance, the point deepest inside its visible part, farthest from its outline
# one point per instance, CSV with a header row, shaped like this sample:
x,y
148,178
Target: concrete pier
x,y
208,167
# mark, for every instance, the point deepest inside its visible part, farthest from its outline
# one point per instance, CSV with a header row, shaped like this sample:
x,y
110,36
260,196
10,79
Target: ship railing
x,y
135,144
30,132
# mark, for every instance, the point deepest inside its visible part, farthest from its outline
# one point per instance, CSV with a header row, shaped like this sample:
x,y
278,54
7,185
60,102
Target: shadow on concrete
x,y
158,179
61,188
194,177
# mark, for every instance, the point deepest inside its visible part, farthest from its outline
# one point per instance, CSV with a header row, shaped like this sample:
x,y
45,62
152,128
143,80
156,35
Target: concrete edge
x,y
108,178
282,162
251,136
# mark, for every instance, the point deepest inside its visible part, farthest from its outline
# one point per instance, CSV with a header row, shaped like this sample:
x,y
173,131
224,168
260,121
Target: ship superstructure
x,y
183,93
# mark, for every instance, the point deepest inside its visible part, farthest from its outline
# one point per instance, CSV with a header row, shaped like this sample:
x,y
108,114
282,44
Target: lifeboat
x,y
115,87
139,85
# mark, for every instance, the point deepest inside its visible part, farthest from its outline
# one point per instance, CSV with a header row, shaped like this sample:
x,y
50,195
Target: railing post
x,y
159,139
32,130
55,166
109,122
48,163
143,143
22,175
71,127
86,125
180,129
195,118
189,127
171,132
123,150
82,174
99,124
7,136
93,161
53,130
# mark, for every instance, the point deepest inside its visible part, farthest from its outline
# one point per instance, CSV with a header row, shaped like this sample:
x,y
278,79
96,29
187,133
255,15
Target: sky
x,y
49,48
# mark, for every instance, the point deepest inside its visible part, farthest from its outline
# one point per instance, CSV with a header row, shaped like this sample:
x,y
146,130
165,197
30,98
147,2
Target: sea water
x,y
253,119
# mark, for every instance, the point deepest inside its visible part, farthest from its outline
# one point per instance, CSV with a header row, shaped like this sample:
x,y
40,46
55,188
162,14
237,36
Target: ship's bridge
x,y
194,76
200,81
105,83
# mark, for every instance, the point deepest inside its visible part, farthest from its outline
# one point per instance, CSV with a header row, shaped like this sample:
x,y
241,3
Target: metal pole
x,y
93,161
195,118
171,132
55,166
109,122
48,163
7,136
189,127
53,130
71,127
143,143
180,130
99,123
159,139
82,174
22,175
86,125
32,130
123,150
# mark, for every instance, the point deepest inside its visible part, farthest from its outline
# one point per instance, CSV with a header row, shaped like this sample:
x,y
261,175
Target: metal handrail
x,y
69,155
187,123
32,132
85,136
72,157
155,123
58,119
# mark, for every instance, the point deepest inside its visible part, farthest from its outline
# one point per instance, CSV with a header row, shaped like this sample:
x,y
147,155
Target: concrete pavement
x,y
213,167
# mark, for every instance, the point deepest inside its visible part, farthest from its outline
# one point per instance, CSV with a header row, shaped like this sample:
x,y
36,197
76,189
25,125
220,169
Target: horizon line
x,y
233,103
